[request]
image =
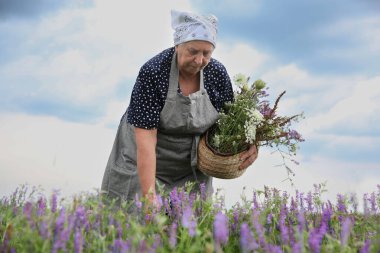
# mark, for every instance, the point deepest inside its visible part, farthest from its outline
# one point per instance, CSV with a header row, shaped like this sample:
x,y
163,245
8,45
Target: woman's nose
x,y
199,59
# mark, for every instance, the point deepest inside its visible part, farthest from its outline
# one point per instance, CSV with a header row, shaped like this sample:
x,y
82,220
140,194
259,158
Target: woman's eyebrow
x,y
198,50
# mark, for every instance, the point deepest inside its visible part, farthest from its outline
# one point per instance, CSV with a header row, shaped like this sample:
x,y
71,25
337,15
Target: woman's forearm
x,y
146,141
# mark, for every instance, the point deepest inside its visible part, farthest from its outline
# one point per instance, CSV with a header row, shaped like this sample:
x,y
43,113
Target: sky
x,y
67,69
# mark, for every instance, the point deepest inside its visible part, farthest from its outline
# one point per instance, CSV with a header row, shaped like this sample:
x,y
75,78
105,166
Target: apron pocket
x,y
125,162
123,183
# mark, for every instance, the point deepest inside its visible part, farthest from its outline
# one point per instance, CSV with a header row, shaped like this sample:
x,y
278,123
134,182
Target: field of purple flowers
x,y
269,220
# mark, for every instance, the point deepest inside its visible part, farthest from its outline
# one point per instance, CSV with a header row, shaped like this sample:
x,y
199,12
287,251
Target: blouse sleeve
x,y
225,87
144,108
219,86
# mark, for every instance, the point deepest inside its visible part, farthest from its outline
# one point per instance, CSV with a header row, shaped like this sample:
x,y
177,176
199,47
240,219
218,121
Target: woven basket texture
x,y
217,165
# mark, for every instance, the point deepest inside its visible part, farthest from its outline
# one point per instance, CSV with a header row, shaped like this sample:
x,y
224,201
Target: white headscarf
x,y
189,26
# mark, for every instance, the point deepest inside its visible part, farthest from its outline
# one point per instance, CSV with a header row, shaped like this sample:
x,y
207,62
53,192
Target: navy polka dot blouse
x,y
152,84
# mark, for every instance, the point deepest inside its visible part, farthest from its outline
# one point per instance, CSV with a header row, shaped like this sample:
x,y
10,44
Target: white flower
x,y
250,132
255,116
216,140
240,80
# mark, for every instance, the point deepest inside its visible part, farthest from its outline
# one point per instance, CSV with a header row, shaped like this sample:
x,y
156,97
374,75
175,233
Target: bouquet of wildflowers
x,y
250,120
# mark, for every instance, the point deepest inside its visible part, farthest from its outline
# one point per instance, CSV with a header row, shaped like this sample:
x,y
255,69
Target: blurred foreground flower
x,y
273,221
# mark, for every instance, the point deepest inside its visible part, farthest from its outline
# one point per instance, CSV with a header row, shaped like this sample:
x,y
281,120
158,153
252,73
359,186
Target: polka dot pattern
x,y
152,84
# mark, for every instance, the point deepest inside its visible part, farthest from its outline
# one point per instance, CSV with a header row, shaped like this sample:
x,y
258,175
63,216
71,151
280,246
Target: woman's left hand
x,y
248,157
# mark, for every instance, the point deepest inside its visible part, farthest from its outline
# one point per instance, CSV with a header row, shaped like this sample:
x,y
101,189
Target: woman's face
x,y
193,56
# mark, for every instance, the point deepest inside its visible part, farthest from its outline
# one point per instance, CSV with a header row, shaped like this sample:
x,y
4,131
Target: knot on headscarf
x,y
189,26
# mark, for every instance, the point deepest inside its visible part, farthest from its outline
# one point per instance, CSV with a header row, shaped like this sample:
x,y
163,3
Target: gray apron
x,y
182,120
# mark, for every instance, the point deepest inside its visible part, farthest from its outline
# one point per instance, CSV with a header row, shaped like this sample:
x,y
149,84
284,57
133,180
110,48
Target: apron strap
x,y
174,75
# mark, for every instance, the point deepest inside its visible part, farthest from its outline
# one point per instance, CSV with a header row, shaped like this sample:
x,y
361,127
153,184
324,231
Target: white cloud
x,y
114,112
240,58
354,111
81,55
290,77
362,32
340,111
298,81
340,177
226,7
331,102
52,153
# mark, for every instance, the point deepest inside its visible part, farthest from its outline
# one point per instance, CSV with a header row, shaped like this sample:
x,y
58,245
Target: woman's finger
x,y
251,151
250,157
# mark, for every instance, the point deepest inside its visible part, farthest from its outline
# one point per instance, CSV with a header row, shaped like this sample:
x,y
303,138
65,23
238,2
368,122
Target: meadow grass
x,y
269,220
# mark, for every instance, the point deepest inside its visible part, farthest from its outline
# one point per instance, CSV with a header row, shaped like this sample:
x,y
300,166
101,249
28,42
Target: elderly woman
x,y
176,98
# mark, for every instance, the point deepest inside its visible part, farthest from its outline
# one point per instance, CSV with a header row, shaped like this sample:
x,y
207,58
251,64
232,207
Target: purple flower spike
x,y
119,231
293,134
293,205
121,246
346,230
247,241
156,244
110,220
160,202
138,202
309,201
283,226
265,110
27,210
167,207
143,247
365,248
236,218
221,228
44,230
173,235
81,218
175,201
203,191
259,228
301,222
341,205
274,249
41,206
269,221
59,223
54,202
297,247
188,221
78,242
192,198
61,242
315,238
326,215
372,201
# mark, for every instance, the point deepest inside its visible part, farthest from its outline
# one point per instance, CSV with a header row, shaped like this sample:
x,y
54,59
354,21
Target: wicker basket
x,y
215,164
